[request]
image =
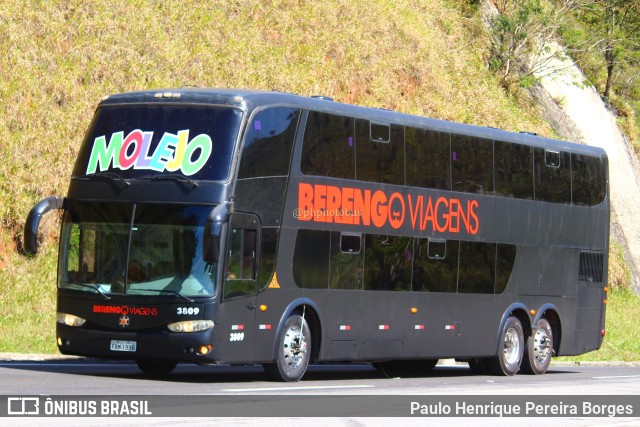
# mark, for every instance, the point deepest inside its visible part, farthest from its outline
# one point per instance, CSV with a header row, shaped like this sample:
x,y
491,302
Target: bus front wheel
x,y
537,356
511,349
294,350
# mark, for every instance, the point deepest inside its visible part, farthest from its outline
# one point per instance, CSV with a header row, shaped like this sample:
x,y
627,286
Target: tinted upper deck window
x,y
428,160
589,179
329,146
514,170
472,164
268,143
379,152
552,176
138,141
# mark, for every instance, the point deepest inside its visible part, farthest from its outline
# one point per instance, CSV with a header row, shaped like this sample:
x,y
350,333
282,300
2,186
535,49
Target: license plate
x,y
123,345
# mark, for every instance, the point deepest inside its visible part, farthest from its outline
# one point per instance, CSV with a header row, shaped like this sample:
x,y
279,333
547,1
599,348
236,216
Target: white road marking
x,y
616,376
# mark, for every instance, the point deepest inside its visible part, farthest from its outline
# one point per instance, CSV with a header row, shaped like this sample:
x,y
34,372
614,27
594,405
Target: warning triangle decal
x,y
274,282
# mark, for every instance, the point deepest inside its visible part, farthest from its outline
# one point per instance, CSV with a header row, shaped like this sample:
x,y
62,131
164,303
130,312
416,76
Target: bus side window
x,y
513,170
387,263
588,180
241,263
553,176
428,158
472,164
328,147
271,131
379,152
477,268
346,263
435,265
311,259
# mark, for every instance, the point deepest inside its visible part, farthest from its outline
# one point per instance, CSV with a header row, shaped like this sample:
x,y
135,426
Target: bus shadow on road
x,y
195,374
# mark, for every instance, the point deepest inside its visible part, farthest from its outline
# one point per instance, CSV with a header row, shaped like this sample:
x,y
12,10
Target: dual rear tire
x,y
531,355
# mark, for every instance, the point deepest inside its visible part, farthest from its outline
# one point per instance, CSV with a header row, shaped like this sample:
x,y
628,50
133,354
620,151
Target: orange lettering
x,y
305,201
347,206
362,203
320,203
454,212
414,210
379,211
334,198
471,207
429,216
445,216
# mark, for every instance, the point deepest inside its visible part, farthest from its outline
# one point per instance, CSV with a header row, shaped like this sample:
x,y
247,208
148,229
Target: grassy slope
x,y
58,58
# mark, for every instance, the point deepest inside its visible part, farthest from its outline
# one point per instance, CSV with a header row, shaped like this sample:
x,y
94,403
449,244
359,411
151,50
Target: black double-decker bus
x,y
245,227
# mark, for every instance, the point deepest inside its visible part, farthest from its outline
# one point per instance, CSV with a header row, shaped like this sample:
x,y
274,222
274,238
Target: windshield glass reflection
x,y
159,252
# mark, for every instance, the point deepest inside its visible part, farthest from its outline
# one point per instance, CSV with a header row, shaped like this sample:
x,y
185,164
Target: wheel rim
x,y
541,346
511,346
295,347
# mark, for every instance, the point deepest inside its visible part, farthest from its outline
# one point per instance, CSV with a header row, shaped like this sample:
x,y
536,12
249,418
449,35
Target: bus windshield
x,y
143,141
141,249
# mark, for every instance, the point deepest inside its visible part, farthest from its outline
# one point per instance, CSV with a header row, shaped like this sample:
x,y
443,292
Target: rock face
x,y
580,114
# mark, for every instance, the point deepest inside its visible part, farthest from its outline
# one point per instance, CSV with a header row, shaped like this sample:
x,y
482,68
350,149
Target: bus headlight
x,y
70,319
191,326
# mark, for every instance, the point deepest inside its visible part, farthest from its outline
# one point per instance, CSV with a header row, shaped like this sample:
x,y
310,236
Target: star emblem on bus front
x,y
124,321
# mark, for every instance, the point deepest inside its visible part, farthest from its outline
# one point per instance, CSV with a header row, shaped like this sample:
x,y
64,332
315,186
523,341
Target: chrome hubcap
x,y
511,346
541,346
295,347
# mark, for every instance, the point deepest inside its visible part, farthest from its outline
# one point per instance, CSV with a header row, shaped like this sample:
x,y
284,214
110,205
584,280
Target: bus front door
x,y
239,290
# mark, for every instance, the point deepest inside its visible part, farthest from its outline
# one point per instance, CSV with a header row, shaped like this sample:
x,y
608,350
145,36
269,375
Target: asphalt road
x,y
325,388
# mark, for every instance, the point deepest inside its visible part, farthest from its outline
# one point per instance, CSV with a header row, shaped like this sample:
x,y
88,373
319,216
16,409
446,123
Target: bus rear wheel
x,y
156,367
294,350
511,349
537,356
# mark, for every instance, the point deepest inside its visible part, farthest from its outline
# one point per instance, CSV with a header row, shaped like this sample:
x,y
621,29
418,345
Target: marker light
x,y
204,349
70,319
414,310
532,312
263,307
191,326
166,95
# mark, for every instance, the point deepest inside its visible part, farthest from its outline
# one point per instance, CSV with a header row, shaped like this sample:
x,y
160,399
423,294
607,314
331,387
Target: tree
x,y
523,32
616,27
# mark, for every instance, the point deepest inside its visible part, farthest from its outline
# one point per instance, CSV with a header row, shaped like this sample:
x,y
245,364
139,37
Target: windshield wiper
x,y
166,291
175,177
90,286
105,176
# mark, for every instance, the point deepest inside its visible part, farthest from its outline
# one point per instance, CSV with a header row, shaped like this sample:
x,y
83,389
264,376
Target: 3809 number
x,y
188,311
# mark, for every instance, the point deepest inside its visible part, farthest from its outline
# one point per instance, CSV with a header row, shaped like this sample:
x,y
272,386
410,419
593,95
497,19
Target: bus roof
x,y
249,100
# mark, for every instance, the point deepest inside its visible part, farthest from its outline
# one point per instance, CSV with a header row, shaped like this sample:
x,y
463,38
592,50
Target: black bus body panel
x,y
548,239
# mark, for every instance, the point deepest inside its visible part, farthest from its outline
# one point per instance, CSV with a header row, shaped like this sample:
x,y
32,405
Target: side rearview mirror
x,y
33,222
213,232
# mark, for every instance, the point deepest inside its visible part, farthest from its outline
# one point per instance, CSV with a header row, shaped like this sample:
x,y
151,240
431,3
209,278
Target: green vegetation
x,y
622,341
60,57
603,37
27,303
